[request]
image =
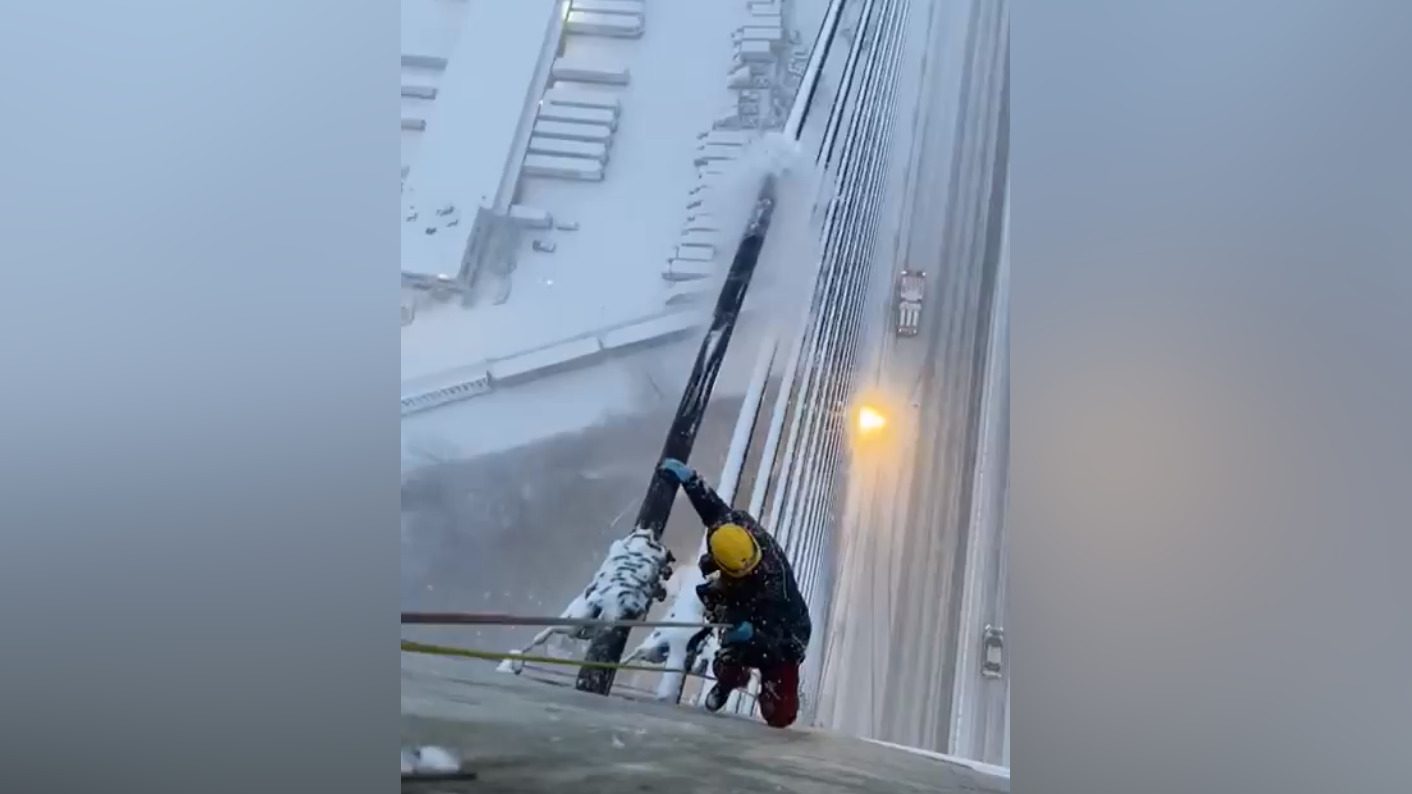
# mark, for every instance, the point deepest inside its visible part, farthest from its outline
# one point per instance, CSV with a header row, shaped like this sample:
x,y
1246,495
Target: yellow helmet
x,y
734,550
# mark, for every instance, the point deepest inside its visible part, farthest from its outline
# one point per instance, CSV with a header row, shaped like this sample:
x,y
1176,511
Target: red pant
x,y
779,689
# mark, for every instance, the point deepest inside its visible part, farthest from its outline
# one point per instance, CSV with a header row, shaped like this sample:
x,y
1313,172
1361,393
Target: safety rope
x,y
438,777
559,675
494,619
496,656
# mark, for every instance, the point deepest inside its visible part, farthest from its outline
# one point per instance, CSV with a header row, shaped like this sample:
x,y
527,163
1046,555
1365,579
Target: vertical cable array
x,y
857,148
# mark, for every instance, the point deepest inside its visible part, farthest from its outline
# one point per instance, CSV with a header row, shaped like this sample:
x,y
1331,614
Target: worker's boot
x,y
716,698
730,674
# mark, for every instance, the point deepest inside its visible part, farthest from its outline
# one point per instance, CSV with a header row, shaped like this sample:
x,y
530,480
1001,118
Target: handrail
x,y
496,619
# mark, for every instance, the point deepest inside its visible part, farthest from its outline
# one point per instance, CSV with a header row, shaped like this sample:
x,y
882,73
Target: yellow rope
x,y
494,656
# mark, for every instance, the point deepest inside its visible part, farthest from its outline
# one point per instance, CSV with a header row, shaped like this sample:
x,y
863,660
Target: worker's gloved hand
x,y
707,593
741,632
677,469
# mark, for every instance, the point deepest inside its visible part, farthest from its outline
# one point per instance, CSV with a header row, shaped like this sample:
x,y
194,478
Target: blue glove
x,y
677,469
741,632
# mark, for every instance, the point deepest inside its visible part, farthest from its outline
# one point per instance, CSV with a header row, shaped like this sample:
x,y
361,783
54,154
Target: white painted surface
x,y
586,71
570,93
593,24
755,51
533,217
770,34
728,137
470,137
687,292
712,152
450,388
699,238
683,269
703,222
553,356
527,412
622,383
580,168
609,270
566,148
629,7
431,28
697,253
553,111
574,131
676,322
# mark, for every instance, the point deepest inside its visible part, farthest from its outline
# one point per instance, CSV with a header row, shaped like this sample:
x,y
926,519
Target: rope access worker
x,y
750,587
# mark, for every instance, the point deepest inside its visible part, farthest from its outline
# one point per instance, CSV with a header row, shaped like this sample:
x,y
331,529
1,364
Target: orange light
x,y
870,420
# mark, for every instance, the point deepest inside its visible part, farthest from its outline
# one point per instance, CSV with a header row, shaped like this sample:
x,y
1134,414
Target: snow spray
x,y
784,278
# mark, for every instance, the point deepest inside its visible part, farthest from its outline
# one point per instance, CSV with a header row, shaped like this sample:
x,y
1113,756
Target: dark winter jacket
x,y
768,597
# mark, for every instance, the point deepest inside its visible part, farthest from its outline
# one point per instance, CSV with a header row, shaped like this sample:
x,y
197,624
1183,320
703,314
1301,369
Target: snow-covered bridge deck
x,y
523,736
